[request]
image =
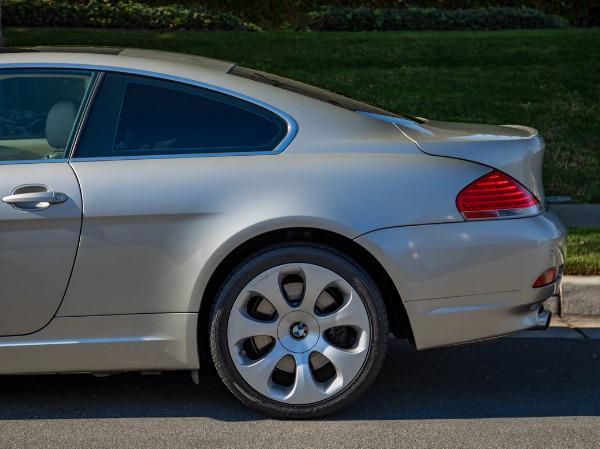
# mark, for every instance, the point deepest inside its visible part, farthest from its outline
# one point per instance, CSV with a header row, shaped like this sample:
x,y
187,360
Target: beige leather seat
x,y
59,125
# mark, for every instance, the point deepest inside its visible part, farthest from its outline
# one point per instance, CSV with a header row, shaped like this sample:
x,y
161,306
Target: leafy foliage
x,y
123,14
276,12
331,18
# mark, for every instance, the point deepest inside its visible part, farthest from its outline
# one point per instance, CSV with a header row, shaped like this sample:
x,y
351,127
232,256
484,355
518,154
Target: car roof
x,y
157,55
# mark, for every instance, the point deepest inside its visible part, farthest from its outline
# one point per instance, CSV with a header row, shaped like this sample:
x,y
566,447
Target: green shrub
x,y
124,14
275,12
331,18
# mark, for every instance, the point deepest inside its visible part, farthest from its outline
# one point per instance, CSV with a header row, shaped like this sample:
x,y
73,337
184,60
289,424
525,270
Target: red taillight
x,y
496,195
547,277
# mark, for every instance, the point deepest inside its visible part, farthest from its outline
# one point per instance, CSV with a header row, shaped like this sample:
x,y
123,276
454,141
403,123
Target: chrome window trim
x,y
33,161
91,96
172,156
291,123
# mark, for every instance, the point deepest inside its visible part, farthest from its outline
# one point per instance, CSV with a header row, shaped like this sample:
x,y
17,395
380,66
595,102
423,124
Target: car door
x,y
40,211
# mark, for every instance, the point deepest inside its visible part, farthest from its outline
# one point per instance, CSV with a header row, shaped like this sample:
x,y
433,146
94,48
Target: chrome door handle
x,y
36,197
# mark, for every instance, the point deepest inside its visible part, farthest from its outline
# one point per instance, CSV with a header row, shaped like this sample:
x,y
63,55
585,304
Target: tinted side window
x,y
38,111
135,116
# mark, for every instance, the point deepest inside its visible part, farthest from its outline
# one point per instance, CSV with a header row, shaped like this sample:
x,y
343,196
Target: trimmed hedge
x,y
124,14
331,18
275,12
127,14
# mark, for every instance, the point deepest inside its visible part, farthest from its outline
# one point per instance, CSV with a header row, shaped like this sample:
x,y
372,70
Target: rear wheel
x,y
298,330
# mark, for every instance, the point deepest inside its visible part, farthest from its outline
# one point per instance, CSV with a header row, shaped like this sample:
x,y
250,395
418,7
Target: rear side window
x,y
136,116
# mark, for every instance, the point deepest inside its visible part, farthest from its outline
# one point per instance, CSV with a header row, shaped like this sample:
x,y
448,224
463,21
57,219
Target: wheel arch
x,y
398,319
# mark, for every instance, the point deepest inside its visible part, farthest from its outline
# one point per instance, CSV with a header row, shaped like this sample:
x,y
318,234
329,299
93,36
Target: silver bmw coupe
x,y
160,209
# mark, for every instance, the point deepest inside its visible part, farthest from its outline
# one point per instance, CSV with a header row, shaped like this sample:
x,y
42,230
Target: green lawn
x,y
583,252
548,79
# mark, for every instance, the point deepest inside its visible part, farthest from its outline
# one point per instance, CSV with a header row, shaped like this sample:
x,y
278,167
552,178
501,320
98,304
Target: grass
x,y
548,79
583,253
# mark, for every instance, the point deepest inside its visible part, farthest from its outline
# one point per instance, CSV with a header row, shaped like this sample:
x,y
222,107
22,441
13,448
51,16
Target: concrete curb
x,y
580,295
578,215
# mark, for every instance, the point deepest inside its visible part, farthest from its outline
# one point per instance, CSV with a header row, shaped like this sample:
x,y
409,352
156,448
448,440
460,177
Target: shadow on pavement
x,y
520,377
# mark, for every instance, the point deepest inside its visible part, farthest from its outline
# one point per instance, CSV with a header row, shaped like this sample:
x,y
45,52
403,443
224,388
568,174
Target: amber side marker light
x,y
546,278
497,195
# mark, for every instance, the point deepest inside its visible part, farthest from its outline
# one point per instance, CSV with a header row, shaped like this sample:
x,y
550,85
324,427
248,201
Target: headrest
x,y
59,122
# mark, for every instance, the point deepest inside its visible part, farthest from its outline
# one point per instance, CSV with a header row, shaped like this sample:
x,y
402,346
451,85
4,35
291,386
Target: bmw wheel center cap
x,y
298,331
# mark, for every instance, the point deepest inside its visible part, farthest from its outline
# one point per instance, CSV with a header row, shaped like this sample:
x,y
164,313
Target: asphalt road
x,y
518,392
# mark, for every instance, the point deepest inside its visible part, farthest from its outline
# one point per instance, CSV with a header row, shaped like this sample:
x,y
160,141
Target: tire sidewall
x,y
279,255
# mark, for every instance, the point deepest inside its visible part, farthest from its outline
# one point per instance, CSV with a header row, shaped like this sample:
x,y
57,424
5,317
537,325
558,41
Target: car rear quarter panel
x,y
154,229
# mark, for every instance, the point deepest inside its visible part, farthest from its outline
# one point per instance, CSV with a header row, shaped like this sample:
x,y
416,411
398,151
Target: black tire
x,y
355,351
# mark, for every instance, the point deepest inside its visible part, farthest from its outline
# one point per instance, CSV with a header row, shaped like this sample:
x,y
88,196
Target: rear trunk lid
x,y
516,150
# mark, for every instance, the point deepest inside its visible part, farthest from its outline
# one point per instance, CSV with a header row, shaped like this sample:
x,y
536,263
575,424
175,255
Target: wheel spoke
x,y
258,374
242,326
317,279
352,313
305,390
346,363
268,287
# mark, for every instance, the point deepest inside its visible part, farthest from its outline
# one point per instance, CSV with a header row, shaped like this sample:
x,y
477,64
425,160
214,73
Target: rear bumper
x,y
470,281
